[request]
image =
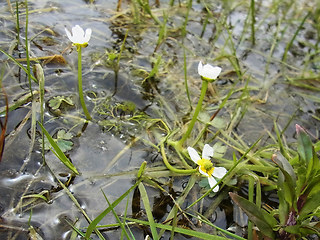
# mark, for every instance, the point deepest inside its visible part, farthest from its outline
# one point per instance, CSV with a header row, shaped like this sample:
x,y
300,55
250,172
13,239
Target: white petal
x,y
213,182
193,154
69,35
203,173
77,32
219,172
207,151
211,72
200,67
87,35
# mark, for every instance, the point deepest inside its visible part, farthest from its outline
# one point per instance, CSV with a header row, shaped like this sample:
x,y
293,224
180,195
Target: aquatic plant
x,y
208,74
298,192
206,167
167,121
80,39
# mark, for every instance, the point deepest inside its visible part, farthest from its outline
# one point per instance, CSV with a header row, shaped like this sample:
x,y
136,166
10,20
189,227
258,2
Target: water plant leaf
x,y
62,140
301,230
217,122
188,232
287,178
64,145
281,161
304,145
36,196
57,101
117,217
312,203
146,204
58,152
219,150
313,185
94,223
263,220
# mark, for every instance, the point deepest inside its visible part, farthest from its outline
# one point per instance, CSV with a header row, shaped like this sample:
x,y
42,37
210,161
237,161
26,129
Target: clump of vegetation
x,y
206,132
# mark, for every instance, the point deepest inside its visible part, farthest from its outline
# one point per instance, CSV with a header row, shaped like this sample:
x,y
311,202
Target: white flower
x,y
79,37
205,165
208,72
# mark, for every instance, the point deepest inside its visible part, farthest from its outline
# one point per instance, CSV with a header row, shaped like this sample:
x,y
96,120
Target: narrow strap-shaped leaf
x,y
57,151
264,221
117,217
146,204
304,145
192,233
95,222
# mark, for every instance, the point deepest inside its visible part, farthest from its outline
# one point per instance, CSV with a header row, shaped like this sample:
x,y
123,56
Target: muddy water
x,y
106,156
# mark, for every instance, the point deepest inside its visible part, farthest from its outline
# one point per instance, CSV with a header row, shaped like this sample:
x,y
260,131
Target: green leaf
x,y
283,208
56,102
146,204
219,150
217,122
263,220
294,229
282,162
58,152
62,141
192,233
313,186
121,224
64,135
310,206
301,230
64,145
95,222
40,195
287,178
304,145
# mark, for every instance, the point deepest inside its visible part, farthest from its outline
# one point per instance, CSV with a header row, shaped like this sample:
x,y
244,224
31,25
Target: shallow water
x,y
108,155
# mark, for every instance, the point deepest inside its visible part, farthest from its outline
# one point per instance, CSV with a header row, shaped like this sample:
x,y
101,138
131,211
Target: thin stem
x,y
253,20
171,168
186,76
27,48
195,115
84,107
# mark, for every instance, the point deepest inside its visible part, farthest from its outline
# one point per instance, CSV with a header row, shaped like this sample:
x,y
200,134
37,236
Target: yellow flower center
x,y
79,45
206,166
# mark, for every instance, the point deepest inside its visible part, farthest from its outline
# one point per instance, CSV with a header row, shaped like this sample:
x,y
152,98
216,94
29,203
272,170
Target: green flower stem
x,y
179,151
195,115
84,107
170,167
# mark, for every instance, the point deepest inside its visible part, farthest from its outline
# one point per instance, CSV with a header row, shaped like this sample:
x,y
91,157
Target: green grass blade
x,y
117,217
19,64
94,223
125,223
192,233
203,219
252,7
27,46
186,77
57,151
17,23
284,57
146,204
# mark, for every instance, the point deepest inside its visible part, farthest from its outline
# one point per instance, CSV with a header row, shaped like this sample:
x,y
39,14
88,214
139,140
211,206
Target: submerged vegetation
x,y
116,156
